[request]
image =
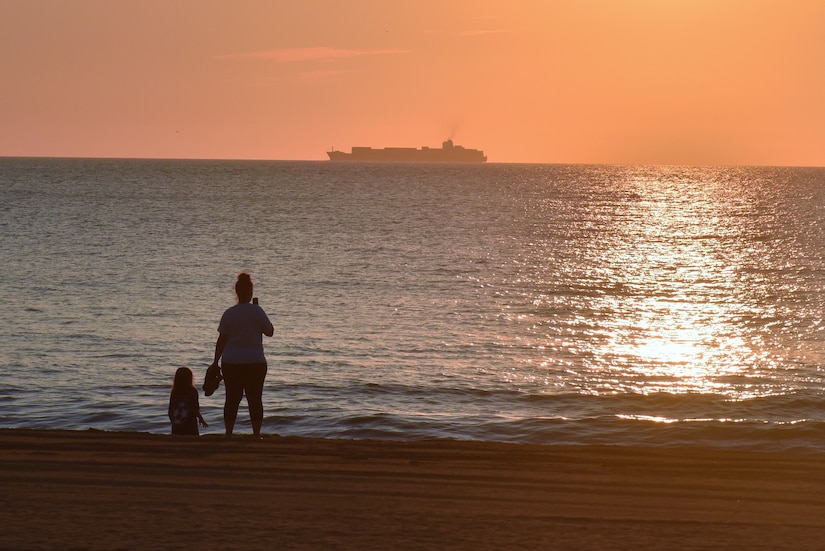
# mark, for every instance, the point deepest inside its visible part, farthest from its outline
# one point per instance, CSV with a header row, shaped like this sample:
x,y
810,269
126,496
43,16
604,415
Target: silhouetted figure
x,y
241,352
184,410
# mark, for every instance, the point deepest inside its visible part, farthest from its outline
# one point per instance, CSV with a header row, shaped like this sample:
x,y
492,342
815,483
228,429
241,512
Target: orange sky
x,y
545,81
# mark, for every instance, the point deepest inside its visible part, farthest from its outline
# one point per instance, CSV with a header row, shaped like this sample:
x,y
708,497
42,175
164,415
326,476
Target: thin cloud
x,y
321,53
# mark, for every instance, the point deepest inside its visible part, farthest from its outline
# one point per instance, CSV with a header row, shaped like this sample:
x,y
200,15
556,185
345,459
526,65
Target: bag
x,y
212,380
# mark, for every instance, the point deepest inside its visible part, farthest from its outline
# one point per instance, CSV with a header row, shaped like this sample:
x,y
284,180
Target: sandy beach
x,y
101,490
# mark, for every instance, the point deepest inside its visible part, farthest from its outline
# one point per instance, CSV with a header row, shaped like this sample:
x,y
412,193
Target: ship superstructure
x,y
448,153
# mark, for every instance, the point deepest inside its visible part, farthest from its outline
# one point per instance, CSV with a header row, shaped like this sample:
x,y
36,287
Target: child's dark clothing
x,y
183,411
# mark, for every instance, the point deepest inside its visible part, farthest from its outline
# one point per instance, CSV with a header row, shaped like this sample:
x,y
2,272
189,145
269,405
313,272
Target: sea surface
x,y
625,305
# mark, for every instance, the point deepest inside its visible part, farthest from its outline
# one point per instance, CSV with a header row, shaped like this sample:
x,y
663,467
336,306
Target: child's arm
x,y
198,411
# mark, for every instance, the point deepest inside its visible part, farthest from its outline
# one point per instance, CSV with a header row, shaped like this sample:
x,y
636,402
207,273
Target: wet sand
x,y
99,490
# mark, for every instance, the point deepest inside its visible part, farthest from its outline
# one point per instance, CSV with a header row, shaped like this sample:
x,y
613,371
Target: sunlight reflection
x,y
676,325
656,281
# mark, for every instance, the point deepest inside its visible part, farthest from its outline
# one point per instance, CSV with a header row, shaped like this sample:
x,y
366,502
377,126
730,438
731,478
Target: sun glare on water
x,y
677,257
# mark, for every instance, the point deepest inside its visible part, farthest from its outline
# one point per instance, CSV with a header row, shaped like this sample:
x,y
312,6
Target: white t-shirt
x,y
244,326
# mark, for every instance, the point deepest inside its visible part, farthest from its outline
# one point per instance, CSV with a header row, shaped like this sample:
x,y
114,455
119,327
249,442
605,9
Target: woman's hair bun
x,y
243,287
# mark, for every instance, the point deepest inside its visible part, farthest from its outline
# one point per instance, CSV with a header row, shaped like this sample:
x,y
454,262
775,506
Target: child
x,y
184,410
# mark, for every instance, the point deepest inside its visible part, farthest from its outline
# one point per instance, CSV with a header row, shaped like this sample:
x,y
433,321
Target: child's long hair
x,y
183,381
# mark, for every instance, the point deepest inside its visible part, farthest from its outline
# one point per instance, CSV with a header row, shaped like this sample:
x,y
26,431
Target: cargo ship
x,y
448,153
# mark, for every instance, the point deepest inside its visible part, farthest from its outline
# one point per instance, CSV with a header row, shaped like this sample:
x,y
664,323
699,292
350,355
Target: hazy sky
x,y
556,81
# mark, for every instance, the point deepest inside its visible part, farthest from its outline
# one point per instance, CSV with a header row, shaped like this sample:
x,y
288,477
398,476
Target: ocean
x,y
544,304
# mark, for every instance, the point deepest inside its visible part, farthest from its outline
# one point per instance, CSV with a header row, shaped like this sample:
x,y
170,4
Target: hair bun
x,y
244,277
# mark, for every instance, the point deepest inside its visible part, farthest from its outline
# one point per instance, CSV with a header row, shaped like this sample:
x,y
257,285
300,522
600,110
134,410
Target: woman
x,y
240,349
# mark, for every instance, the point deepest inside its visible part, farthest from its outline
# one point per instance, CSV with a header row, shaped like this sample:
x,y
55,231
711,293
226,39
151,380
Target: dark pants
x,y
243,379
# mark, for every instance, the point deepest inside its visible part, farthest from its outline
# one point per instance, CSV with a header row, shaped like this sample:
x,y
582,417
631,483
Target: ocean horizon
x,y
569,304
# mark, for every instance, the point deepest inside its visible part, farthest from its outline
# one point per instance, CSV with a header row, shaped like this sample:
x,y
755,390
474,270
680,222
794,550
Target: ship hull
x,y
448,153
